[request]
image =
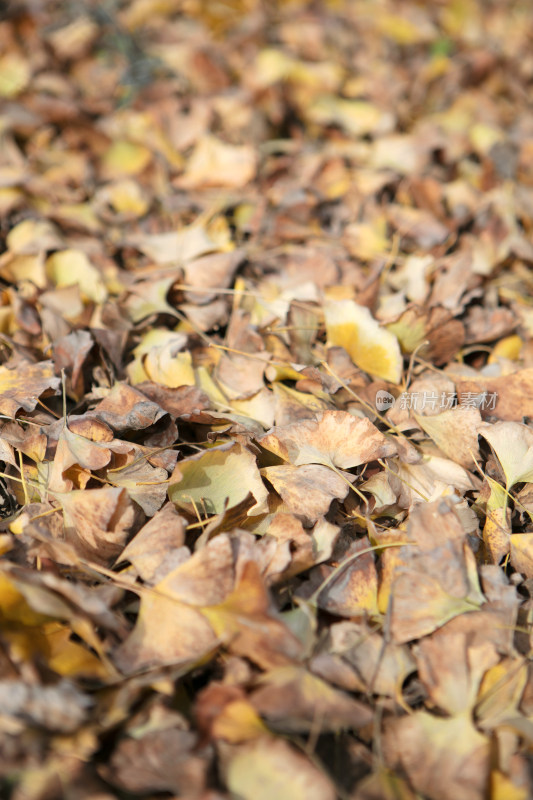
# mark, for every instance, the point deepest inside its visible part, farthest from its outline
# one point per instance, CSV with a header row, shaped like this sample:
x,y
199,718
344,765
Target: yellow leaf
x,y
269,768
169,369
69,267
372,348
217,479
126,197
367,240
357,117
15,74
10,198
503,788
31,237
238,722
271,66
70,658
510,348
496,531
125,158
14,606
512,443
400,29
26,268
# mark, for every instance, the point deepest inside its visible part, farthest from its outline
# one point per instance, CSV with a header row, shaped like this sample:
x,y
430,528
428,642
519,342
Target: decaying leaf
x,y
266,381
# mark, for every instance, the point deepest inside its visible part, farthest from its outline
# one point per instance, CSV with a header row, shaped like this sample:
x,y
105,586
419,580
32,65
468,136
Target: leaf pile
x,y
266,392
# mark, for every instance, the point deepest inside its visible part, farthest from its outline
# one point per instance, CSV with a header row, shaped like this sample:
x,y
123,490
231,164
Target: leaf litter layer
x,y
266,391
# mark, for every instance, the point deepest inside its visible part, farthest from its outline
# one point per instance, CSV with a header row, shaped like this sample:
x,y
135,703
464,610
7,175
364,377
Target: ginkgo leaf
x,y
334,438
33,236
126,197
497,529
15,74
67,267
175,247
455,432
268,767
435,751
512,443
291,699
125,158
22,387
98,522
170,627
217,479
522,553
145,484
358,117
217,163
307,490
372,348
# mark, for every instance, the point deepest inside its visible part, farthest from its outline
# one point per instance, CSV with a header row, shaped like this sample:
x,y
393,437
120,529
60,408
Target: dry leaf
x,y
334,439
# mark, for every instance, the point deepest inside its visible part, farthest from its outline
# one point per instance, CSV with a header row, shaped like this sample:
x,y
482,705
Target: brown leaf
x,y
22,387
159,761
126,408
293,700
508,397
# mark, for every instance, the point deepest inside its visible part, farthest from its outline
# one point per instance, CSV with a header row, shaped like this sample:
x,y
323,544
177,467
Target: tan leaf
x,y
158,547
22,387
269,767
435,579
307,490
98,521
455,432
125,408
444,759
334,438
216,163
294,700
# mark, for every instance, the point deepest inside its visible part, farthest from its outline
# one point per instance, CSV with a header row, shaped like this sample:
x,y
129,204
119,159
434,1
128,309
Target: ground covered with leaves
x,y
266,391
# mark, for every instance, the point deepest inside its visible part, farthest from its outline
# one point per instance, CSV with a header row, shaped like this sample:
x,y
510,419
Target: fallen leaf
x,y
267,767
98,522
294,700
67,267
217,163
373,348
335,439
307,490
218,479
22,387
513,445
